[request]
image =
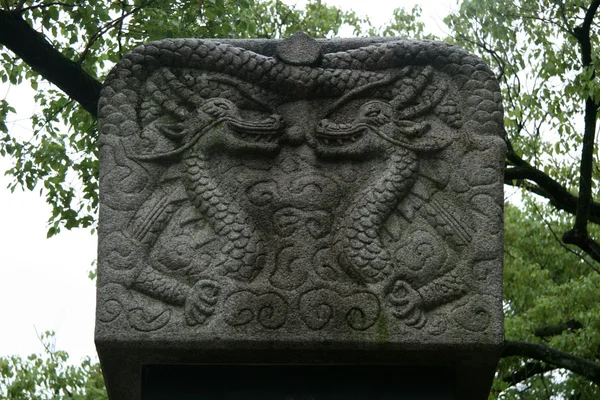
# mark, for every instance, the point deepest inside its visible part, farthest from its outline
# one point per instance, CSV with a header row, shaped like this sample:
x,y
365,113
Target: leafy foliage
x,y
546,284
406,24
48,376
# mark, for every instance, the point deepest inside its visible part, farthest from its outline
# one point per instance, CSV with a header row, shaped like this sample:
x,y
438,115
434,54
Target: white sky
x,y
44,283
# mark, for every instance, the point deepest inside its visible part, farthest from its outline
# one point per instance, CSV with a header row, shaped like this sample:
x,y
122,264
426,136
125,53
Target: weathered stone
x,y
299,49
300,201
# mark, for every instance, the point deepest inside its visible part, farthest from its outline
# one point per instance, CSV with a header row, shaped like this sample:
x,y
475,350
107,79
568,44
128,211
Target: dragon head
x,y
218,124
376,128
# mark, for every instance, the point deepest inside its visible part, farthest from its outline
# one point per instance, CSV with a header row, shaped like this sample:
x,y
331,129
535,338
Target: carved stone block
x,y
299,201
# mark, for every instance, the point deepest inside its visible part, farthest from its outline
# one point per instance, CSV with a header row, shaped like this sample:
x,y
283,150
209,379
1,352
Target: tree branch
x,y
564,19
579,365
558,195
33,48
585,243
554,330
107,27
564,246
579,235
529,370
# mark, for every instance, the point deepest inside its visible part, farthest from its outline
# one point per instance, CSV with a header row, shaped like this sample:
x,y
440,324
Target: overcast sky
x,y
44,283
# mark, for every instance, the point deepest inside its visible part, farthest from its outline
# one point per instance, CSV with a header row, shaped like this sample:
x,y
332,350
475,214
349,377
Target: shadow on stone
x,y
299,382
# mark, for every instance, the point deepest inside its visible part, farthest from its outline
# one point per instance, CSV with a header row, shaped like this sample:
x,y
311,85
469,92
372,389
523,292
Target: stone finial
x,y
299,49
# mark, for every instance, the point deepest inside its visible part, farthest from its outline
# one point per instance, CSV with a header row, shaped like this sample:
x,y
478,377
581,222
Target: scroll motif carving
x,y
321,307
268,309
261,192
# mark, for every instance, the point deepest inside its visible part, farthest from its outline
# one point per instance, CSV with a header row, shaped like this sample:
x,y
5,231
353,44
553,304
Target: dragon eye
x,y
373,114
222,104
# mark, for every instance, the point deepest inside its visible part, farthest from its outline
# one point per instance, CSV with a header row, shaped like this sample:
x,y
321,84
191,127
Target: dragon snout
x,y
322,126
275,121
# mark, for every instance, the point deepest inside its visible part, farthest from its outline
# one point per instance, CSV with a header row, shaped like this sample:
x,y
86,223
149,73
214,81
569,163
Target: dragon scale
x,y
241,248
360,240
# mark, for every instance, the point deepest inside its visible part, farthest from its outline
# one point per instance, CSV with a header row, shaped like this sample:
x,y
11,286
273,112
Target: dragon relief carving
x,y
321,169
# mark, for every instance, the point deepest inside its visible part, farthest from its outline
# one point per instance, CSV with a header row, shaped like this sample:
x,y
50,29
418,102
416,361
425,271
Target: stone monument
x,y
300,201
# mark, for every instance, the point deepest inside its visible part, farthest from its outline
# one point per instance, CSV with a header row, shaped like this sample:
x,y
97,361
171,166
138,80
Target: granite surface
x,y
299,201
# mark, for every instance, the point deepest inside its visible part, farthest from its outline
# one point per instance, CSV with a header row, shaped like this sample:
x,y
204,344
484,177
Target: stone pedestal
x,y
300,202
